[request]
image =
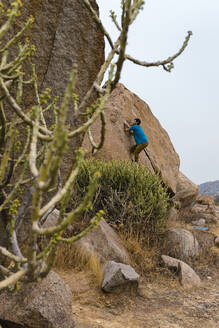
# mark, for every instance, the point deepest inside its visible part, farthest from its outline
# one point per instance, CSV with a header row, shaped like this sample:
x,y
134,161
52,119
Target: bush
x,y
132,198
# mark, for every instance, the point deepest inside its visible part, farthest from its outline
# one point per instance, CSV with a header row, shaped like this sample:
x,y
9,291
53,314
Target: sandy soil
x,y
164,305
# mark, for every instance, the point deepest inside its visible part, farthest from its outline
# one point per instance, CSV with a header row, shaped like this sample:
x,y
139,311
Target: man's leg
x,y
132,151
138,149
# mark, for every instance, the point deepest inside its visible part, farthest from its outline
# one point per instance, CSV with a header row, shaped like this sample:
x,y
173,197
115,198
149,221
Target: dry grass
x,y
145,258
70,256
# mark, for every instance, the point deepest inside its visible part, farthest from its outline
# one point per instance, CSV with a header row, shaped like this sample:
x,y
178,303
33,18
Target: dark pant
x,y
136,149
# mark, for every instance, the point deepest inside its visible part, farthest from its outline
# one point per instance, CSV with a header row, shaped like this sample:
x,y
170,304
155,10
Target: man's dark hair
x,y
138,121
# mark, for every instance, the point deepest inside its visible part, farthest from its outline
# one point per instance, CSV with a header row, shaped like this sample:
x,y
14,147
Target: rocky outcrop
x,y
206,200
187,276
186,191
119,275
205,212
104,243
47,304
122,106
181,243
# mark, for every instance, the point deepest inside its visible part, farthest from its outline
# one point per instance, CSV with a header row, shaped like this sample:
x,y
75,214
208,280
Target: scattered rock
x,y
200,222
181,243
104,242
200,211
187,276
119,275
206,200
216,241
205,238
209,218
46,304
170,262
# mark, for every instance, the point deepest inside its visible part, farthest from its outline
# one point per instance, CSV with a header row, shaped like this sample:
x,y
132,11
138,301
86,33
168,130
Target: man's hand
x,y
126,126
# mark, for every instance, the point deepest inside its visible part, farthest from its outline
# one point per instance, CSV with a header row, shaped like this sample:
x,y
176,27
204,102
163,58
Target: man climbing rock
x,y
139,136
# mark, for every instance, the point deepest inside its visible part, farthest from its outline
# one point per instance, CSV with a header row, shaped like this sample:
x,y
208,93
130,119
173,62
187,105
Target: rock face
x,y
122,106
181,243
117,275
64,34
104,243
47,304
186,191
187,276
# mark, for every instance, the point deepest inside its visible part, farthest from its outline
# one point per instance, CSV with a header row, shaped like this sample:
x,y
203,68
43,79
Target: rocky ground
x,y
163,304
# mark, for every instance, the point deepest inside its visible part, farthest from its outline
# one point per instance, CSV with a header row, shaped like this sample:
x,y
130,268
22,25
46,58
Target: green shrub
x,y
132,198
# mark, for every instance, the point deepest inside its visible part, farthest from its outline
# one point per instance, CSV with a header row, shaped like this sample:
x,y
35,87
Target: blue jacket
x,y
139,135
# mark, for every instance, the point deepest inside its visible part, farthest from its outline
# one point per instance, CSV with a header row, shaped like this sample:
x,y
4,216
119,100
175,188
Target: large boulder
x,y
104,243
186,191
181,243
64,33
123,105
46,304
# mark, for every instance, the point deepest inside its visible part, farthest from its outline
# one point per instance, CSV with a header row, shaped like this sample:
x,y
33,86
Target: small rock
x,y
200,222
216,241
117,275
187,276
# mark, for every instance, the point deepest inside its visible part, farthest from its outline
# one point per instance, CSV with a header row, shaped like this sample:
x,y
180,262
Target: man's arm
x,y
127,127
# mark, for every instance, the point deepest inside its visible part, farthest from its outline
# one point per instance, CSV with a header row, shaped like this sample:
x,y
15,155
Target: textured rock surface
x,y
187,276
186,191
52,219
210,215
47,304
64,33
181,243
118,274
104,243
206,200
124,105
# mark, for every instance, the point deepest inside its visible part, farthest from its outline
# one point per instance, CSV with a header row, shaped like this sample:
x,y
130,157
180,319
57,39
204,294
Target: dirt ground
x,y
162,305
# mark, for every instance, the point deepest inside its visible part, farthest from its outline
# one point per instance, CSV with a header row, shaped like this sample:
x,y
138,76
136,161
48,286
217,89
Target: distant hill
x,y
210,188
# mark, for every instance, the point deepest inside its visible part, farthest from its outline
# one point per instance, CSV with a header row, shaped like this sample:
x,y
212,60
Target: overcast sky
x,y
186,101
